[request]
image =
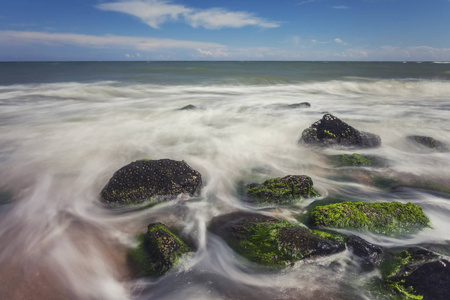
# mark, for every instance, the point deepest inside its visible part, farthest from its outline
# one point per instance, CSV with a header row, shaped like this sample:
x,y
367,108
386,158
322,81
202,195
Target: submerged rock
x,y
420,274
331,131
281,190
296,105
158,251
389,218
154,180
428,142
369,253
354,160
189,107
271,241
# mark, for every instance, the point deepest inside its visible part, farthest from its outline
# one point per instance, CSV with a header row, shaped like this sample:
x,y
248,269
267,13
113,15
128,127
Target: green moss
x,y
398,286
282,190
329,134
145,159
351,160
333,236
261,244
392,218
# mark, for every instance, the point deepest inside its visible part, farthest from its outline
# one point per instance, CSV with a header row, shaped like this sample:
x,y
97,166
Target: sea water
x,y
66,127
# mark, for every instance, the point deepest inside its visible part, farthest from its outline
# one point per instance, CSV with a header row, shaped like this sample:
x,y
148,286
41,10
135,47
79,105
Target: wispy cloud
x,y
305,2
95,41
339,41
340,7
156,12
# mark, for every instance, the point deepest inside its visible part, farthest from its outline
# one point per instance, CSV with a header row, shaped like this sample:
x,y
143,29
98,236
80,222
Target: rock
x,y
421,273
151,180
331,131
271,241
296,105
158,251
428,142
281,190
389,218
189,107
369,253
354,160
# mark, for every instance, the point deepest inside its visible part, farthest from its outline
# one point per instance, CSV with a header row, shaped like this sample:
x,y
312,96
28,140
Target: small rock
x,y
281,190
331,131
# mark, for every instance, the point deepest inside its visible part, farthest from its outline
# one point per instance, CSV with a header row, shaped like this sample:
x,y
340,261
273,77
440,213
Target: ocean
x,y
66,127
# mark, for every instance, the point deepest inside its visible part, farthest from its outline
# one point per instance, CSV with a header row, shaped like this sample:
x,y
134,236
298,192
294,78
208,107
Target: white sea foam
x,y
61,142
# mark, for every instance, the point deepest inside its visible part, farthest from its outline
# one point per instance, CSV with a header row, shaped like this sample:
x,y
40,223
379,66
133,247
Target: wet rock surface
x,y
271,241
370,254
331,131
158,251
281,190
155,180
420,272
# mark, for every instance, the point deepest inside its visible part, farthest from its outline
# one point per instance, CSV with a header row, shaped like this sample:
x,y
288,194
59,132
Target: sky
x,y
324,30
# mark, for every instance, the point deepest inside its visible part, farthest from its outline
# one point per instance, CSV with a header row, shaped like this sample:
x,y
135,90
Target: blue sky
x,y
225,30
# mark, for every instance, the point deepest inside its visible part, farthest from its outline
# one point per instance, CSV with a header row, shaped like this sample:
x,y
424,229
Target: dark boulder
x,y
158,251
271,241
151,180
370,254
419,272
281,190
331,131
428,142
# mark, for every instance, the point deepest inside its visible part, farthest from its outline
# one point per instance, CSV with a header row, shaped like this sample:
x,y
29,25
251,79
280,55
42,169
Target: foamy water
x,y
60,142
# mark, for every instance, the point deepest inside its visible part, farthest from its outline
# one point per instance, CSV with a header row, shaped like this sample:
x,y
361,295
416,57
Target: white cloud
x,y
151,12
340,7
339,41
157,12
94,41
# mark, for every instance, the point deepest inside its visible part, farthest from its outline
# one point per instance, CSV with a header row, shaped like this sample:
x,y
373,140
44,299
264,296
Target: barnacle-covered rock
x,y
151,180
331,131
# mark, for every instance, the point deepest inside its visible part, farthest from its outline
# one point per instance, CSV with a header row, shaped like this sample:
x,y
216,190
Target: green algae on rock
x,y
270,241
353,160
418,273
281,190
151,180
428,142
389,218
158,251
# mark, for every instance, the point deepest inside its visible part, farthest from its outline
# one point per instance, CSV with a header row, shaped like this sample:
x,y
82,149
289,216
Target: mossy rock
x,y
393,218
420,274
153,181
281,190
270,241
354,160
331,131
158,251
428,142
